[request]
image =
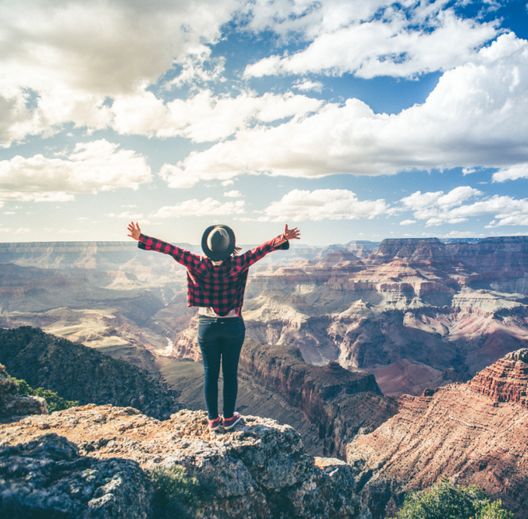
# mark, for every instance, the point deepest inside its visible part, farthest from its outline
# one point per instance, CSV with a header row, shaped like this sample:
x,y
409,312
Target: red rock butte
x,y
474,434
506,380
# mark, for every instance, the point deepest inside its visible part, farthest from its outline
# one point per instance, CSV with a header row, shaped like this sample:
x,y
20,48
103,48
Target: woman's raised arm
x,y
282,241
183,256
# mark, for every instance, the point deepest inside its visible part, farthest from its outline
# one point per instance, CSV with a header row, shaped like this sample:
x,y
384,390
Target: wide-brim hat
x,y
218,242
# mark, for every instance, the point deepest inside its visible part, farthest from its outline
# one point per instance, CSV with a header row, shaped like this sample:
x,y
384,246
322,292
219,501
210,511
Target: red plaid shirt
x,y
218,286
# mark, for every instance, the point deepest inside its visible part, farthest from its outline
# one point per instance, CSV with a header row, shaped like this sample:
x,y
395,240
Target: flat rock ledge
x,y
95,461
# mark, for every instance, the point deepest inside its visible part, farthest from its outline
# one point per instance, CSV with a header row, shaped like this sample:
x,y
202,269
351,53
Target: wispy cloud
x,y
199,207
234,193
307,85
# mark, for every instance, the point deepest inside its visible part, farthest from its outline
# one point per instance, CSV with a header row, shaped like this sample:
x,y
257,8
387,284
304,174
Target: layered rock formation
x,y
96,457
85,305
415,312
338,402
105,255
79,373
506,380
423,250
474,433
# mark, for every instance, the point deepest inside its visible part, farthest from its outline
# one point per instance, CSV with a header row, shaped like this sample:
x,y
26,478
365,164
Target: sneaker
x,y
215,424
228,423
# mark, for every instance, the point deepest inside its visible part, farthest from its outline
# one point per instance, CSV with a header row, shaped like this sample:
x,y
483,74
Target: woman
x,y
216,284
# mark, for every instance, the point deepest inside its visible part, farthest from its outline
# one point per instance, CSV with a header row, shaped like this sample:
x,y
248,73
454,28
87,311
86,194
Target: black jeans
x,y
220,339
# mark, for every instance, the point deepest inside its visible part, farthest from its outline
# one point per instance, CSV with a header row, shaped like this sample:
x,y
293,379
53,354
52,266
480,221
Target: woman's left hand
x,y
237,250
292,234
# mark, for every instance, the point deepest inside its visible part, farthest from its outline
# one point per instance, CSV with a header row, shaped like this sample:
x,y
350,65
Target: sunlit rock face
x,y
505,380
473,433
417,313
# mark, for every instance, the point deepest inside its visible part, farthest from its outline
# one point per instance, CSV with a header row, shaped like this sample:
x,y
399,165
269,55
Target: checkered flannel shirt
x,y
218,286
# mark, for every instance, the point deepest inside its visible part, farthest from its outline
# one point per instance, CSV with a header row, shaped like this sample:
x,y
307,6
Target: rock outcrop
x,y
506,380
12,403
339,402
47,477
474,433
86,458
79,373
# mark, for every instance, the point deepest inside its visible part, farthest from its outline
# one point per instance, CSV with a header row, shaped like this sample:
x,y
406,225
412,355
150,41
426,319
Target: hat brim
x,y
215,255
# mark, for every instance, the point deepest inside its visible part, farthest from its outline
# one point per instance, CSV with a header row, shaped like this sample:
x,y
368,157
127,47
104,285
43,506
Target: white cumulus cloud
x,y
89,168
105,47
401,44
475,116
459,205
205,117
72,55
322,204
511,173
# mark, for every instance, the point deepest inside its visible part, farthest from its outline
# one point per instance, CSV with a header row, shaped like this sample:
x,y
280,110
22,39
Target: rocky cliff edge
x,y
97,461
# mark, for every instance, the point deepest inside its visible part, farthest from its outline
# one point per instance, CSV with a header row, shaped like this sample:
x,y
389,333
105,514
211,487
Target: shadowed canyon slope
x,y
79,373
339,403
474,433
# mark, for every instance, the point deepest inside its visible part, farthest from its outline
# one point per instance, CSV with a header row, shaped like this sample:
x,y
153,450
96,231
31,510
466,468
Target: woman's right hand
x,y
134,230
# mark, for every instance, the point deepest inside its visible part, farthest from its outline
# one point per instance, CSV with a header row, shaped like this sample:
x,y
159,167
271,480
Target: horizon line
x,y
308,244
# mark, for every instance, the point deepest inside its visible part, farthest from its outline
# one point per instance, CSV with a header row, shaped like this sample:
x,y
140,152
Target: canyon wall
x,y
416,313
338,402
473,433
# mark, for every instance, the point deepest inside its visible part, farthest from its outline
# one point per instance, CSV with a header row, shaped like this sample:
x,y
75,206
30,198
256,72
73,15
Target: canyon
x,y
473,433
406,358
417,313
99,460
339,403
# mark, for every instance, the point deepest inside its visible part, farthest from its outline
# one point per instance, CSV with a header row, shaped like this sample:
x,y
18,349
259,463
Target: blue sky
x,y
350,120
